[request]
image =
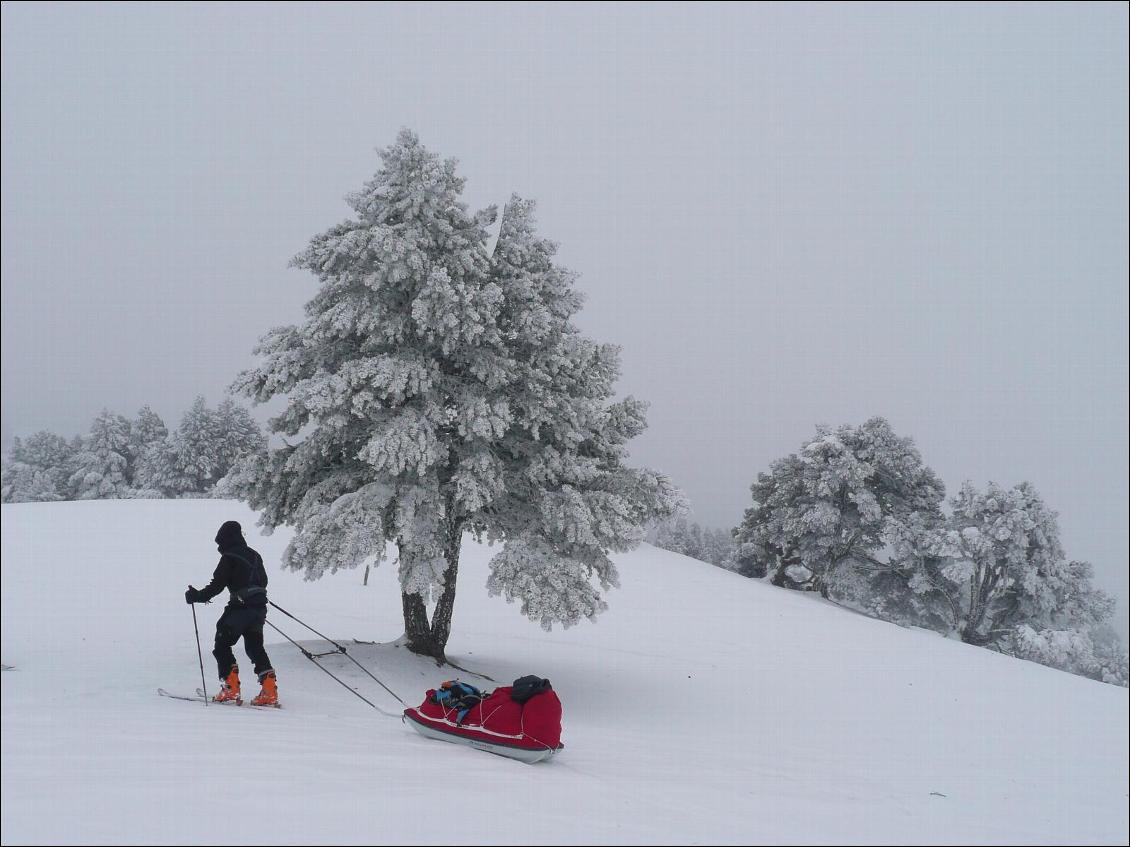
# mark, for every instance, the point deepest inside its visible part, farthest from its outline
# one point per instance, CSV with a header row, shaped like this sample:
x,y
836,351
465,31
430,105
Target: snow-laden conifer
x,y
435,390
102,464
833,504
206,446
1002,567
38,469
148,452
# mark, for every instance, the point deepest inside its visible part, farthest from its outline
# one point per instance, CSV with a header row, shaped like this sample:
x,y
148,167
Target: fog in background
x,y
784,214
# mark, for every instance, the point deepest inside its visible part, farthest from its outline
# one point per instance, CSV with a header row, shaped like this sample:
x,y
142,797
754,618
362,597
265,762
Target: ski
x,y
200,693
198,697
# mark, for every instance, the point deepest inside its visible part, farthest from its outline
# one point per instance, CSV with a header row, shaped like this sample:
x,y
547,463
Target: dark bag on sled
x,y
527,687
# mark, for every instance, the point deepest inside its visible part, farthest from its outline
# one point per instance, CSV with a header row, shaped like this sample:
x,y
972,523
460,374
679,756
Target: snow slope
x,y
703,708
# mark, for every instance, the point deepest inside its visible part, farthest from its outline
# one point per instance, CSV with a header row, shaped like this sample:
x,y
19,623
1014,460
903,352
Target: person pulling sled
x,y
241,572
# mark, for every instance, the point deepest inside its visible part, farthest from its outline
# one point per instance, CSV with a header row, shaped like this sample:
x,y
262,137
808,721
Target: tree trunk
x,y
429,638
981,586
819,582
416,626
441,617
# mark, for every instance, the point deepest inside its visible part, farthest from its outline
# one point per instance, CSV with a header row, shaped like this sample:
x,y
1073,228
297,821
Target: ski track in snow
x,y
702,708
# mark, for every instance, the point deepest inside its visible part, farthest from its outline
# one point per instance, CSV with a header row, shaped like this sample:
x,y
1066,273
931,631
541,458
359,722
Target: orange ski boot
x,y
269,696
229,687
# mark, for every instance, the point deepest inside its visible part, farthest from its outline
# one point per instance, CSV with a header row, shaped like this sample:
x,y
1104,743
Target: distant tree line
x,y
707,544
856,515
139,458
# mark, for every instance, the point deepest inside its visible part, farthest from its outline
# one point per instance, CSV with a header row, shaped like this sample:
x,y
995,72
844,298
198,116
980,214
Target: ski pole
x,y
199,655
324,669
339,647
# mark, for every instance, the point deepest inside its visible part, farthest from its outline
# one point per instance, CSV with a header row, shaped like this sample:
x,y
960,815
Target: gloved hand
x,y
191,596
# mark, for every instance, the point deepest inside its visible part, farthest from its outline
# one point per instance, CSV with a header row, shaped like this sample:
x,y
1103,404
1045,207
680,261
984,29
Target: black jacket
x,y
234,572
239,568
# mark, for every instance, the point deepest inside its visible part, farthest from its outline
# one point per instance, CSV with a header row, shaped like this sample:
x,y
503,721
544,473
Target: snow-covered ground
x,y
702,708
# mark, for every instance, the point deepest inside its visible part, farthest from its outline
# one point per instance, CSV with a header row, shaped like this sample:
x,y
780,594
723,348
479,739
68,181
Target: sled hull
x,y
511,751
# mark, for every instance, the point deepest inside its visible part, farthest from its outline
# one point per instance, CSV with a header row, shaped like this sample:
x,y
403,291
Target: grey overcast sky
x,y
785,214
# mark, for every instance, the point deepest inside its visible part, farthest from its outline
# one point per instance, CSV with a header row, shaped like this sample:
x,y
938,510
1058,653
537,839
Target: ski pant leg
x,y
253,642
226,636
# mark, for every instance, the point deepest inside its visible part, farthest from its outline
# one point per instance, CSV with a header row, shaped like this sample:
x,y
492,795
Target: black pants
x,y
236,623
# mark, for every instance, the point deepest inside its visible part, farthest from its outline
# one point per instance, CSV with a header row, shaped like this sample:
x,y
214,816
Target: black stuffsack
x,y
527,687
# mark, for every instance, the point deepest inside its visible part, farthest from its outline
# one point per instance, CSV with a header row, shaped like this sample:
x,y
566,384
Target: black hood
x,y
230,536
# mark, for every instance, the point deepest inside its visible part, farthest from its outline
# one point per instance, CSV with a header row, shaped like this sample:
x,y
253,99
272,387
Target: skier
x,y
241,572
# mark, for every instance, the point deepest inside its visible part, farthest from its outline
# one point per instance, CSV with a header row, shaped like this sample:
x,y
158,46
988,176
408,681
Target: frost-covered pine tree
x,y
681,535
207,445
1076,651
103,462
1111,654
196,449
38,469
718,548
77,445
147,428
434,390
10,480
911,589
44,450
832,504
22,483
148,449
689,538
1002,566
159,473
26,484
238,436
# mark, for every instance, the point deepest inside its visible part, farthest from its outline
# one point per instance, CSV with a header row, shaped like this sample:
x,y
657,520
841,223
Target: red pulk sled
x,y
520,721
